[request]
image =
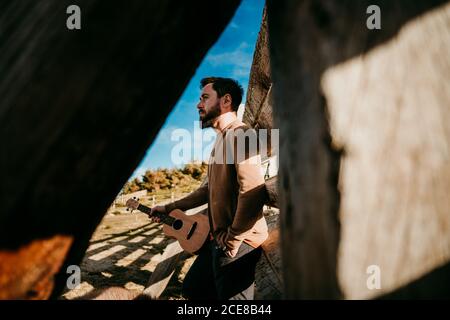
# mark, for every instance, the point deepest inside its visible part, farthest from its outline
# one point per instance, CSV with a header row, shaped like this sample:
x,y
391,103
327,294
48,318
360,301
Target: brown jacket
x,y
235,191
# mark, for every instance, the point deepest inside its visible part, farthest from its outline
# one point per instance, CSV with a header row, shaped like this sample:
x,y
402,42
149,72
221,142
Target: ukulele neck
x,y
165,218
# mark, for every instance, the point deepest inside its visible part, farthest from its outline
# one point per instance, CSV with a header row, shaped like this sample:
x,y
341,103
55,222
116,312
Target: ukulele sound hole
x,y
191,232
177,224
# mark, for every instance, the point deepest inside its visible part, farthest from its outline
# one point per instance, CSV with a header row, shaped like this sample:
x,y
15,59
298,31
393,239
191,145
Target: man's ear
x,y
226,100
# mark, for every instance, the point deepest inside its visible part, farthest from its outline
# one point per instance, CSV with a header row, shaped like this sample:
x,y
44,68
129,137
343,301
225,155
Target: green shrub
x,y
180,180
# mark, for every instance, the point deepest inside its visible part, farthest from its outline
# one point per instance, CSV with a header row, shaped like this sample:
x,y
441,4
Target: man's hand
x,y
160,209
231,253
224,243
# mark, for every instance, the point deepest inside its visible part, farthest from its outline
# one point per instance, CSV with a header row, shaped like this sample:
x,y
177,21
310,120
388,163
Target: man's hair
x,y
223,86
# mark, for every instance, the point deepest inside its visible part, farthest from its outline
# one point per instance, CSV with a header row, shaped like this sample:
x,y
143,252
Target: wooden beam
x,y
79,109
308,41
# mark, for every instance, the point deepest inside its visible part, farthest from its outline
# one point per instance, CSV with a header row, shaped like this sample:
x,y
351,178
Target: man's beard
x,y
210,116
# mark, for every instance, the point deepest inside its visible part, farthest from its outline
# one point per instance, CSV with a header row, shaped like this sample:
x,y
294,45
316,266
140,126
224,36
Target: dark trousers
x,y
213,275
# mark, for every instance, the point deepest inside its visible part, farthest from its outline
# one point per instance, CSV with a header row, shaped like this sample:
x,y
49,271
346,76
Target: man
x,y
235,193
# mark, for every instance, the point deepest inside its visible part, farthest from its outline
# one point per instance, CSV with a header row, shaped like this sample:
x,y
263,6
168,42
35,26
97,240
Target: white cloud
x,y
164,135
240,72
239,57
234,25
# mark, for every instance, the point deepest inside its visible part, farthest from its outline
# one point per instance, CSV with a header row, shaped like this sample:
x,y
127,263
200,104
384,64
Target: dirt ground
x,y
123,252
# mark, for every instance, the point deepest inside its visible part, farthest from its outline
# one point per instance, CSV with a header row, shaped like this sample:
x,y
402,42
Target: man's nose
x,y
199,105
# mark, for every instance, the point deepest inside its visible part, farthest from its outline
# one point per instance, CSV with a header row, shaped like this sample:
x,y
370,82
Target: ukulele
x,y
191,231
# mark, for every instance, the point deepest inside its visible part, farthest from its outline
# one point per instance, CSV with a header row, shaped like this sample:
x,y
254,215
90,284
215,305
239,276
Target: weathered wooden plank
x,y
258,106
73,101
372,86
268,274
258,114
17,267
389,110
272,192
172,256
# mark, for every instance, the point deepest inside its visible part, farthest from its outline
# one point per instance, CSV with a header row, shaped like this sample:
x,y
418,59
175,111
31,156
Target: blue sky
x,y
231,56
